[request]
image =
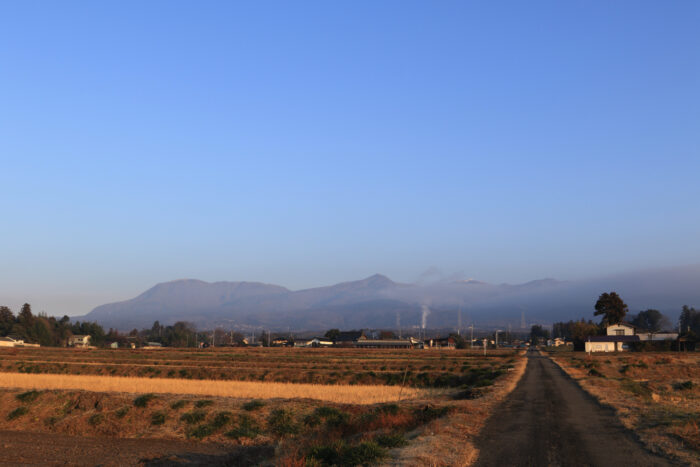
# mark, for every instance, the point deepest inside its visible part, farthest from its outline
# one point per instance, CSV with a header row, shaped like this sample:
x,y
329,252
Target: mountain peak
x,y
379,280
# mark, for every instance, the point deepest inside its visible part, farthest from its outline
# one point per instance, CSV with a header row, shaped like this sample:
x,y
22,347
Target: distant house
x,y
349,338
79,341
609,343
620,329
442,343
619,336
10,342
153,346
314,342
114,345
384,344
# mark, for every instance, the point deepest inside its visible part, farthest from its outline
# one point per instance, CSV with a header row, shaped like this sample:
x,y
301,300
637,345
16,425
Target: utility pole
x,y
471,341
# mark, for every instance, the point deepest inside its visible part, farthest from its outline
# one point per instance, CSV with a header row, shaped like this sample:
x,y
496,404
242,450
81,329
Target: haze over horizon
x,y
143,142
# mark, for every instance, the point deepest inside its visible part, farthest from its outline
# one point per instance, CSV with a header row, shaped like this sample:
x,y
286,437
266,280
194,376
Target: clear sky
x,y
307,143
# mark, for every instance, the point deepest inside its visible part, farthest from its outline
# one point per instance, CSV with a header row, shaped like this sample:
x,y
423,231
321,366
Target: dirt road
x,y
548,420
41,449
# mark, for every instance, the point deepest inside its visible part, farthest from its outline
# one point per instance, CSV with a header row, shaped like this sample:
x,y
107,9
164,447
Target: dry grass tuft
x,y
346,394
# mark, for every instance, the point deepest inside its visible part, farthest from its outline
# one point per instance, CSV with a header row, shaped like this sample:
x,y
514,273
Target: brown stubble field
x,y
345,404
656,394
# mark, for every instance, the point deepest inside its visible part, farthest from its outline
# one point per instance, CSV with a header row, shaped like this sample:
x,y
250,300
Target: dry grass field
x,y
343,394
417,368
314,406
657,395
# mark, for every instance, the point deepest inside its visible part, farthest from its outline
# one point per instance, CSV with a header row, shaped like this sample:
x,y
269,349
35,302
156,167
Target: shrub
x,y
158,418
281,422
193,417
429,413
253,405
203,403
96,419
201,431
143,400
682,386
120,413
18,412
594,372
391,409
638,389
334,418
392,440
246,428
221,419
51,421
29,396
340,453
177,405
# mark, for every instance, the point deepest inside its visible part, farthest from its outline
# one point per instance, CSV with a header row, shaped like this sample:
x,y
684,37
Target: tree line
x,y
46,330
613,310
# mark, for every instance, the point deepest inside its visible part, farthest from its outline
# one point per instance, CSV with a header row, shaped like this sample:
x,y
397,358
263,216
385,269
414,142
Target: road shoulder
x,y
450,441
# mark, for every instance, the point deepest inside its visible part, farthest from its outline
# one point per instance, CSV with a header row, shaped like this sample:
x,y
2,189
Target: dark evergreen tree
x,y
611,307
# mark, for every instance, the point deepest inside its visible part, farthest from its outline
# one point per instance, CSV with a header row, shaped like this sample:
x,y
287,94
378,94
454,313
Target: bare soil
x,y
49,449
549,420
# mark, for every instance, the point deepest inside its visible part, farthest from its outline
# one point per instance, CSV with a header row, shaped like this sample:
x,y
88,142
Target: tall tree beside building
x,y
7,320
651,320
611,307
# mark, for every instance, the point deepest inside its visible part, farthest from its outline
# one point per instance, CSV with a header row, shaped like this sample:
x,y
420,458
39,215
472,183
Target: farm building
x,y
314,342
621,335
79,341
349,338
441,343
609,343
384,344
10,342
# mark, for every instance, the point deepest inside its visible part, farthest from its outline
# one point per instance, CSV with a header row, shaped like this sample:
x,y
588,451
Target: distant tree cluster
x,y
689,322
538,333
650,320
576,331
44,330
180,334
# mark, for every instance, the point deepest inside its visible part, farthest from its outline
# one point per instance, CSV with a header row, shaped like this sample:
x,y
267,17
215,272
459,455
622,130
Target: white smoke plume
x,y
425,312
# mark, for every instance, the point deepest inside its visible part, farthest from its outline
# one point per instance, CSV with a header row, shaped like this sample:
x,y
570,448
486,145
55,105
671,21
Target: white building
x,y
10,342
79,341
620,335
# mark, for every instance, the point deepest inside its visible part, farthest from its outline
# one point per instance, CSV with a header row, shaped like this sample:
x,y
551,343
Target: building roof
x,y
7,339
349,336
613,339
385,342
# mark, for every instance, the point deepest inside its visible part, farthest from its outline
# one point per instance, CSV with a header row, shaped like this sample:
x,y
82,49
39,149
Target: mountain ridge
x,y
376,301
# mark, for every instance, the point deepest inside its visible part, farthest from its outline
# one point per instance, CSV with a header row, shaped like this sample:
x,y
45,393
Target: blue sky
x,y
306,143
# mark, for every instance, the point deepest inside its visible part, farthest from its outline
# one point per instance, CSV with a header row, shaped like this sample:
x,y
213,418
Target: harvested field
x,y
417,368
313,406
657,395
343,394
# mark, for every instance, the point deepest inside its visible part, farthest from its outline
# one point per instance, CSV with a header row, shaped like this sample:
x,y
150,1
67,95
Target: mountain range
x,y
379,302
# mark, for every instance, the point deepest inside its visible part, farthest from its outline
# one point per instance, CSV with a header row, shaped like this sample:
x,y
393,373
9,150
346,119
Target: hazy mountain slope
x,y
376,301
